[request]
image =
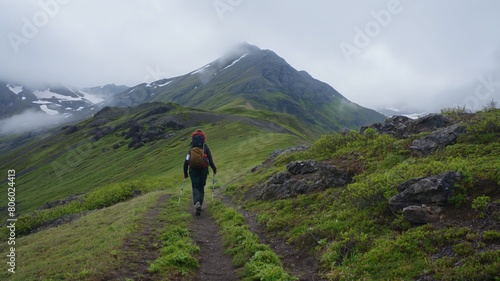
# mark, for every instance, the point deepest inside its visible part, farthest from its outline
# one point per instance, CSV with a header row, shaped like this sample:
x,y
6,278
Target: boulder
x,y
397,126
303,177
438,139
428,123
420,198
404,127
421,214
302,167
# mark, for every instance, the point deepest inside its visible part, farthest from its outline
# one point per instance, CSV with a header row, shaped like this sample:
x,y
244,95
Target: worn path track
x,y
299,263
215,265
140,248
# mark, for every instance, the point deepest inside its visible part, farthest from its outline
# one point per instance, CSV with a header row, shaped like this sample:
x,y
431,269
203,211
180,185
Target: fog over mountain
x,y
417,56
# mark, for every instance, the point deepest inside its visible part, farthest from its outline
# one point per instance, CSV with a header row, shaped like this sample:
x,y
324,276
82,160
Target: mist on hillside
x,y
29,120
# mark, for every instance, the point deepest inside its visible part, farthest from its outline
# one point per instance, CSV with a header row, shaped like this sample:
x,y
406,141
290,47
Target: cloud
x,y
425,48
29,120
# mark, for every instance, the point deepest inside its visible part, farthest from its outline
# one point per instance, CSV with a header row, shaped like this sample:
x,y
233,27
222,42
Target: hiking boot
x,y
197,206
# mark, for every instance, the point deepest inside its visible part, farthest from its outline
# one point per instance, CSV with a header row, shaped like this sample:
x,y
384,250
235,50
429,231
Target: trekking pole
x,y
213,183
182,188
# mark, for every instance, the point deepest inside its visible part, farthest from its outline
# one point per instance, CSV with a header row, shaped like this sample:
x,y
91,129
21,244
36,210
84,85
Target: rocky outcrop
x,y
302,167
100,132
421,199
404,127
68,130
438,139
303,177
141,135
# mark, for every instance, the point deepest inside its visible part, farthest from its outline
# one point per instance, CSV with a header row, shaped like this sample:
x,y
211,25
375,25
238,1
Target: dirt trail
x,y
299,263
215,265
140,248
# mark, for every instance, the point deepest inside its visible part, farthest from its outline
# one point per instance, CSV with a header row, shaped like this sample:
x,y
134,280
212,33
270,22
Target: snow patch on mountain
x,y
165,84
15,89
237,60
91,98
47,94
46,109
199,70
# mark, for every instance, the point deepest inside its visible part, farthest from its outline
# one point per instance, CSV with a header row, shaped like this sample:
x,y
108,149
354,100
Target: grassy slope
x,y
80,249
351,230
59,165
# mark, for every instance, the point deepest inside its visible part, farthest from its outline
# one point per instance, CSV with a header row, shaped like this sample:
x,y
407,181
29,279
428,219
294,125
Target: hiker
x,y
198,159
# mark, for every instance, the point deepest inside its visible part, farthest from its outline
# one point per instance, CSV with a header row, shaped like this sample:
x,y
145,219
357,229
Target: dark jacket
x,y
209,157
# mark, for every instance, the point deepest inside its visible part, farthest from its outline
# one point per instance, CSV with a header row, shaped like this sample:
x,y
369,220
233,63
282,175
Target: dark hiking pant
x,y
198,180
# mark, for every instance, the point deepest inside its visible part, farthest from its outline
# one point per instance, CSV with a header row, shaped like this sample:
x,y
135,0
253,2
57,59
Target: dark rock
x,y
404,127
303,177
396,126
432,191
421,214
302,167
438,139
68,130
98,133
280,178
135,131
428,123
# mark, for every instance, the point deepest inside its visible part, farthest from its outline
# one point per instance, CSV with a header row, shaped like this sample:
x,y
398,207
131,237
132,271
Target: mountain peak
x,y
248,77
241,49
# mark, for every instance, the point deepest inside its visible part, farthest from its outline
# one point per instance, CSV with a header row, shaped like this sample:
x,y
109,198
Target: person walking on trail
x,y
198,159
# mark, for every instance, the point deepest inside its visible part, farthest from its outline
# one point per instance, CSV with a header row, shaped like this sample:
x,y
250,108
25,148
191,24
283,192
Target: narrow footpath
x,y
139,250
215,265
297,262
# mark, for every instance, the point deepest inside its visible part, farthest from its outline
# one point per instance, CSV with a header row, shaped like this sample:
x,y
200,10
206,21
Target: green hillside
x,y
105,149
351,230
98,200
120,154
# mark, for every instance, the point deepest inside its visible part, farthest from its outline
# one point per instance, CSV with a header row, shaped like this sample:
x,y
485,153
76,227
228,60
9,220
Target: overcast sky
x,y
409,54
